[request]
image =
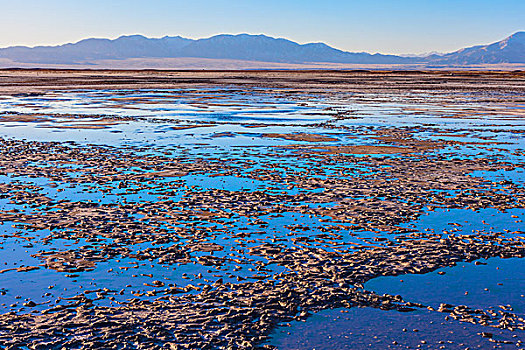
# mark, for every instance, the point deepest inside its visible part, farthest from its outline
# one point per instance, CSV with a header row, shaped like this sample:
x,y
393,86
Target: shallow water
x,y
496,282
226,132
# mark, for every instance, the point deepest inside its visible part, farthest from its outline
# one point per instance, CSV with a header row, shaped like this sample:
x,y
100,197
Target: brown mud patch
x,y
362,149
302,137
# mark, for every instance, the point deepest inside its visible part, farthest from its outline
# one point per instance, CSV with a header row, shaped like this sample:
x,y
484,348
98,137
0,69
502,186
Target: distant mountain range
x,y
247,47
509,50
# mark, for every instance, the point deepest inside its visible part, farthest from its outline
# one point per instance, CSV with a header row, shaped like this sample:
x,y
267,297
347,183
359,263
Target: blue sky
x,y
386,26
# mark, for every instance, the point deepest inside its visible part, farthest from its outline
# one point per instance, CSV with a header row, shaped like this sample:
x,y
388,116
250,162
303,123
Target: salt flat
x,y
221,209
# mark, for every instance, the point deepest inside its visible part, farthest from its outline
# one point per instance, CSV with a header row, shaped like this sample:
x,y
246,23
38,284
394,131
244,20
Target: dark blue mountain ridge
x,y
250,48
132,46
268,49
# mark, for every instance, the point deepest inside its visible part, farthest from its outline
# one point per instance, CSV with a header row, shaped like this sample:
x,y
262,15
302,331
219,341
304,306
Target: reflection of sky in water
x,y
370,328
499,282
234,107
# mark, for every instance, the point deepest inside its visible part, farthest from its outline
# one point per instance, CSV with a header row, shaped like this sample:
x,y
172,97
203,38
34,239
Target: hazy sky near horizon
x,y
386,26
